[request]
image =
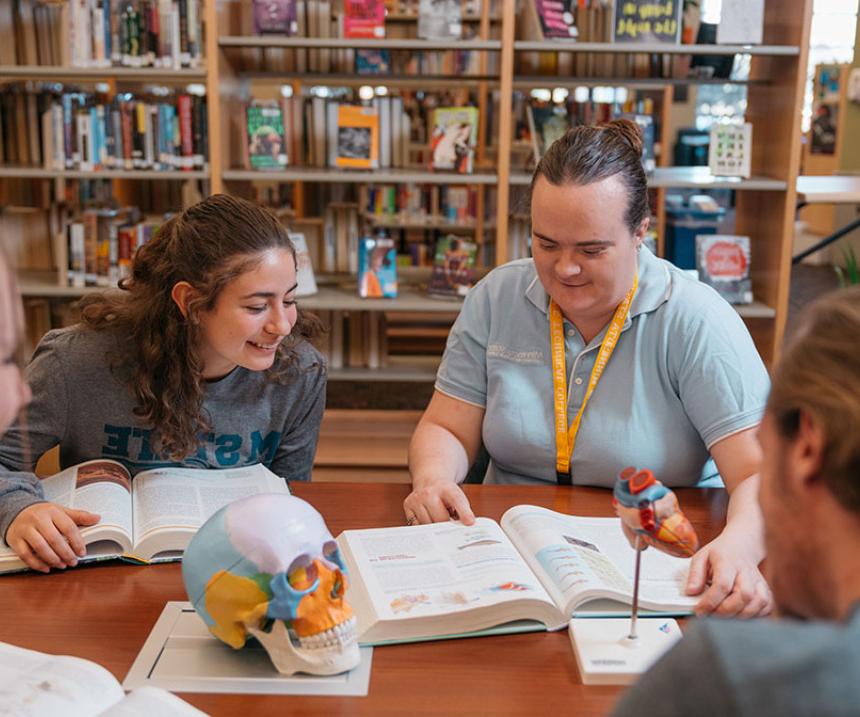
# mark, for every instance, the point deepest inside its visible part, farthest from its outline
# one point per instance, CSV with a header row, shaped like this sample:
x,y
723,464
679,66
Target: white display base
x,y
605,655
181,655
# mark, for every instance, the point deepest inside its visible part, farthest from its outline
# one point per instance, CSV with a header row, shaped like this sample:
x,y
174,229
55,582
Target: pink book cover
x,y
364,19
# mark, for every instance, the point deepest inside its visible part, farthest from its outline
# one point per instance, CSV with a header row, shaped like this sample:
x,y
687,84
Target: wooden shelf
x,y
376,176
690,177
654,48
356,80
261,41
143,74
399,368
149,174
409,299
639,83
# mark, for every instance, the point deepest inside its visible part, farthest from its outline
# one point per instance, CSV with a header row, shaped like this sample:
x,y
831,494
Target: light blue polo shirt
x,y
684,375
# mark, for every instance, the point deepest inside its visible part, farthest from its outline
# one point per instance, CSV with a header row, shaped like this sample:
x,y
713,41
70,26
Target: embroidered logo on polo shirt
x,y
507,354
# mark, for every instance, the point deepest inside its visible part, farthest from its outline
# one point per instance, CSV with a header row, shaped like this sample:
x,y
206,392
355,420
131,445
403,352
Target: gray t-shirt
x,y
82,404
761,667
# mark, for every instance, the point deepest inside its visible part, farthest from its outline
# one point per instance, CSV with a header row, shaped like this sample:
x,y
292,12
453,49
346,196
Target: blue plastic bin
x,y
682,226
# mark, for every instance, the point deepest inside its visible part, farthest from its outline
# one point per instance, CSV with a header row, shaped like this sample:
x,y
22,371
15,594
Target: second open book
x,y
443,580
151,518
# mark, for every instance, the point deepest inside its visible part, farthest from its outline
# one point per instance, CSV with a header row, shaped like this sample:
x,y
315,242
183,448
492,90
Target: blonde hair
x,y
819,375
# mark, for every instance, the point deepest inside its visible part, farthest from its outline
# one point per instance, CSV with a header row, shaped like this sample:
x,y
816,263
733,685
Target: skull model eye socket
x,y
331,554
338,588
302,573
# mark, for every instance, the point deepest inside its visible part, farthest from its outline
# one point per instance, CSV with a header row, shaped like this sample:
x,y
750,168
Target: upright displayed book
x,y
723,262
741,22
439,19
151,518
37,683
547,122
363,19
646,124
730,149
455,132
377,268
274,17
357,137
267,143
556,18
647,21
453,267
305,278
444,580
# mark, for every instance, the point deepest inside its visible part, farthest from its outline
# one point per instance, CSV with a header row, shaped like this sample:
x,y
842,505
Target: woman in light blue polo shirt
x,y
596,355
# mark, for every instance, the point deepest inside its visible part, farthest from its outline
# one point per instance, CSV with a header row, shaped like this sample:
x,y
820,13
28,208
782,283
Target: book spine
x,y
186,132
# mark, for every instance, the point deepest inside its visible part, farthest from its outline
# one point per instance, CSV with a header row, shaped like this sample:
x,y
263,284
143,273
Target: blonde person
x,y
200,361
810,499
681,390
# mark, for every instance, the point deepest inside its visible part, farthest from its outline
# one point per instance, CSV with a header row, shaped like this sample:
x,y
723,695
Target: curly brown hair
x,y
208,245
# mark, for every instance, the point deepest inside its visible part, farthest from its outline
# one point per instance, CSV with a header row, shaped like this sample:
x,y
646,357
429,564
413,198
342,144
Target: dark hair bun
x,y
629,131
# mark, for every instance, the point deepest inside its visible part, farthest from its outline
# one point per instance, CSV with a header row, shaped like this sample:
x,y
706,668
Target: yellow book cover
x,y
357,137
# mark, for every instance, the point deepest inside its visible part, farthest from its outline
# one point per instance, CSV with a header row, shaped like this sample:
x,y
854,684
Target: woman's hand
x,y
726,569
437,501
46,535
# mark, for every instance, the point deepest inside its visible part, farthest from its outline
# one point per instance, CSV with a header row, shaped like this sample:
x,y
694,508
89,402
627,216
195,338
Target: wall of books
x,y
395,139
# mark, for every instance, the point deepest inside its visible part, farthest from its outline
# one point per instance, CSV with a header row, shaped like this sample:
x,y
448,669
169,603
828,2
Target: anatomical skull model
x,y
266,566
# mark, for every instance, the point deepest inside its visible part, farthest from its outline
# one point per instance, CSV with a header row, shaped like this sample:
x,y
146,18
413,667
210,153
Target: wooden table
x,y
105,612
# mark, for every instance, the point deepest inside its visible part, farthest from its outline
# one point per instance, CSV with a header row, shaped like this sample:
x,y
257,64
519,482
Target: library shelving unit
x,y
765,203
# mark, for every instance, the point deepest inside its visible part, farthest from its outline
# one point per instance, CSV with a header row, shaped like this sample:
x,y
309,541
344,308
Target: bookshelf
x,y
237,65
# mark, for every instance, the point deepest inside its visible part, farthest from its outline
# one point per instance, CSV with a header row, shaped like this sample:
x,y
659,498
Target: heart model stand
x,y
615,651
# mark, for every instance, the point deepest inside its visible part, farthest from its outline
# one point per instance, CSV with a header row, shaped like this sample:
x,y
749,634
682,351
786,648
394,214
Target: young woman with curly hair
x,y
201,360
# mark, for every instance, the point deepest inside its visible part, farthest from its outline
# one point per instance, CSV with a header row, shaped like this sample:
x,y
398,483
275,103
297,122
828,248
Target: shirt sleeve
x,y
463,371
39,428
721,379
688,680
294,458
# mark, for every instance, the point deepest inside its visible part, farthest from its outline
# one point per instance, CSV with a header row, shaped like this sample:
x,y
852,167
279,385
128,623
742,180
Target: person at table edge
x,y
681,393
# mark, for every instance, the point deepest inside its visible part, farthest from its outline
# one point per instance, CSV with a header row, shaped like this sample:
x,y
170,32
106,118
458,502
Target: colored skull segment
x,y
650,510
266,566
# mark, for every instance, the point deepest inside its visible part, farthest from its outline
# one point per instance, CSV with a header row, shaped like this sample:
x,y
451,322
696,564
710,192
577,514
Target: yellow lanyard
x,y
565,438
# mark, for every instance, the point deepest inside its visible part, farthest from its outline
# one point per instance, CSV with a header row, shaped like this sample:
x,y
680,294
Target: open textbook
x,y
443,580
151,518
34,684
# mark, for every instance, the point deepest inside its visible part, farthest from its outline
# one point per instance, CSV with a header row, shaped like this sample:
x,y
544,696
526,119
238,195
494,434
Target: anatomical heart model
x,y
267,567
649,510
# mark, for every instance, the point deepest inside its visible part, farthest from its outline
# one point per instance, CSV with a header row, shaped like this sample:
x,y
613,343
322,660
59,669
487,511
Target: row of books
x,y
101,33
354,19
410,203
318,132
72,129
97,247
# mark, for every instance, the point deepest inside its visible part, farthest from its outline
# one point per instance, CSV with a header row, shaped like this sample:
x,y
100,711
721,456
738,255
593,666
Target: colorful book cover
x,y
557,19
730,149
453,267
723,262
372,62
274,17
550,123
647,21
377,268
363,19
439,19
267,146
357,137
455,132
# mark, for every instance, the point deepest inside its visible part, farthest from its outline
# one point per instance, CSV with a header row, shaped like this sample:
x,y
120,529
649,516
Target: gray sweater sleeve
x,y
39,428
295,455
